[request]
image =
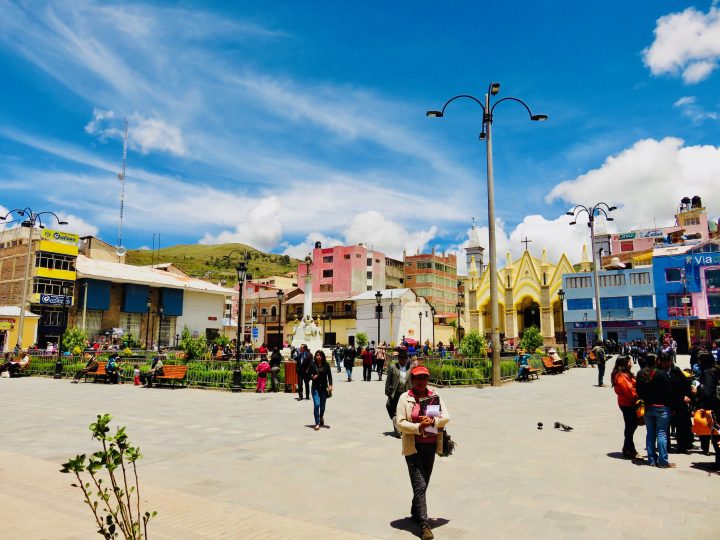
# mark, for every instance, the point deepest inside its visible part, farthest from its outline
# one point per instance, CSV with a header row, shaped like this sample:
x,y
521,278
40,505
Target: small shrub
x,y
361,338
473,345
532,339
74,339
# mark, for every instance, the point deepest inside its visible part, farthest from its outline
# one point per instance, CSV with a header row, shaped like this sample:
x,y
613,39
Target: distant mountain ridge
x,y
209,262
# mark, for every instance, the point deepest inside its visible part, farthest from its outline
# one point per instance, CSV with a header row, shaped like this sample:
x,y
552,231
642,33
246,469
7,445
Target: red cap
x,y
419,370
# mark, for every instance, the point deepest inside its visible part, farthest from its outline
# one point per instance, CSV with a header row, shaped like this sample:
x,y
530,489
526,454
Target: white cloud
x,y
299,251
144,134
377,232
260,226
75,225
690,109
686,43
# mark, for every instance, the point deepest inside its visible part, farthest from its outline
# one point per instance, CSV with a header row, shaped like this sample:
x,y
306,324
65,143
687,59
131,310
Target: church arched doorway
x,y
530,316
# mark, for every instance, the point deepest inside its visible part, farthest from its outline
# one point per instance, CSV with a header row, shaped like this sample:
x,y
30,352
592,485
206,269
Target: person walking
x,y
348,356
373,352
90,367
681,418
653,387
320,374
600,359
380,355
623,382
367,363
397,383
420,414
262,369
303,359
275,361
337,357
709,393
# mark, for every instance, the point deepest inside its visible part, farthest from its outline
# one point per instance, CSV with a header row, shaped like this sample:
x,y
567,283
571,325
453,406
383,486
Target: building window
x,y
326,288
712,278
130,323
673,275
627,246
346,257
581,282
369,262
640,278
329,308
691,221
348,308
575,304
328,259
645,300
369,275
327,273
713,301
424,265
611,280
648,334
614,302
52,286
54,261
93,323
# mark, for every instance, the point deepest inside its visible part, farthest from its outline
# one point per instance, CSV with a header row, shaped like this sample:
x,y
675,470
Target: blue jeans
x,y
348,370
657,422
319,396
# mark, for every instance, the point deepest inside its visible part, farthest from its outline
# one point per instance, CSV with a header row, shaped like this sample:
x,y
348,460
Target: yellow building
x,y
527,296
10,326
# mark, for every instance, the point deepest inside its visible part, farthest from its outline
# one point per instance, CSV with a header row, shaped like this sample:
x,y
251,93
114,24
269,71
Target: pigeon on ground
x,y
540,425
564,427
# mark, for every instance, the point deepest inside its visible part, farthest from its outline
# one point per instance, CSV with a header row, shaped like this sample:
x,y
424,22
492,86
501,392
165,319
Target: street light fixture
x,y
486,135
561,295
603,209
432,311
31,219
147,324
378,313
420,342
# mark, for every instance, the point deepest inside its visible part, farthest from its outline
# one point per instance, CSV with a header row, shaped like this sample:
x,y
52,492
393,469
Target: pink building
x,y
691,222
344,269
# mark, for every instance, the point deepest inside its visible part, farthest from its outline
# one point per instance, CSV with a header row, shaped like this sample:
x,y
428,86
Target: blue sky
x,y
279,123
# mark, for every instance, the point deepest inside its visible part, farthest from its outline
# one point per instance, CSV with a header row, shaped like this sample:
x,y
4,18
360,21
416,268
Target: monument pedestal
x,y
307,332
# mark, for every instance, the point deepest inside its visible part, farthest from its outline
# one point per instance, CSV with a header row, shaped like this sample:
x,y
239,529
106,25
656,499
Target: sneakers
x,y
427,534
666,466
317,427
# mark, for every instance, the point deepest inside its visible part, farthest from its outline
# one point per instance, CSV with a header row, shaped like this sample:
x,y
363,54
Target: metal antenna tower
x,y
121,176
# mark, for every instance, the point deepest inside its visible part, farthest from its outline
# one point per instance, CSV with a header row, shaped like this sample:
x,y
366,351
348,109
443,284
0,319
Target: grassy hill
x,y
208,262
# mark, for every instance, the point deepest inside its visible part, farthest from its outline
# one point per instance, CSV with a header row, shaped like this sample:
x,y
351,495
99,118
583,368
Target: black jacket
x,y
303,360
275,359
681,387
653,387
323,375
394,383
709,380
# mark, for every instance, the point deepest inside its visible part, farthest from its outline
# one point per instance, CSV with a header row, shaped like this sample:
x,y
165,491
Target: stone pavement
x,y
221,465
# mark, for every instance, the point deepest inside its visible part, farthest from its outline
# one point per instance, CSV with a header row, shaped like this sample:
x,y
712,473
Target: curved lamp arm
x,y
535,117
441,113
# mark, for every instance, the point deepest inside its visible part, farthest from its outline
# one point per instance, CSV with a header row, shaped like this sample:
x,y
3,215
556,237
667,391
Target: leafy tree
x,y
473,345
222,341
532,339
194,347
74,340
361,338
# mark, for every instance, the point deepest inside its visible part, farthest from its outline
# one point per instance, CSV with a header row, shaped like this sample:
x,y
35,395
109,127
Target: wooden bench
x,y
533,372
171,375
552,367
99,372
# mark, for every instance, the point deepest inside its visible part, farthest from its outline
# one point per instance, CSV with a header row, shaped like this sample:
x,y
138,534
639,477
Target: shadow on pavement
x,y
620,455
407,524
390,434
706,466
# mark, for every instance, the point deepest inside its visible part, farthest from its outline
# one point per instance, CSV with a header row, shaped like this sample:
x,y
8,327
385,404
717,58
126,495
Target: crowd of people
x,y
670,402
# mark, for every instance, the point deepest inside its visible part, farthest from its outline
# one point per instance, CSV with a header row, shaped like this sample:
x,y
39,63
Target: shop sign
x,y
675,323
702,259
59,236
651,233
55,300
7,324
716,323
626,236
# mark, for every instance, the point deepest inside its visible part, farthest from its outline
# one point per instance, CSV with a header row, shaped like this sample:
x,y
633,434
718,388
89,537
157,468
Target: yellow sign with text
x,y
6,325
59,236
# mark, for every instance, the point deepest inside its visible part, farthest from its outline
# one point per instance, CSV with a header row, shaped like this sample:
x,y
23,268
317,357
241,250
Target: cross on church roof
x,y
473,222
526,242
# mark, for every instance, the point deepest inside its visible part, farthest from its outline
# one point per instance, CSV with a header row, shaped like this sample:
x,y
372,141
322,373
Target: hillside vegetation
x,y
209,262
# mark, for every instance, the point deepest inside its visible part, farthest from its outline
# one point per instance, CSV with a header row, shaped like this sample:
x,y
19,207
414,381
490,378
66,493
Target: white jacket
x,y
408,429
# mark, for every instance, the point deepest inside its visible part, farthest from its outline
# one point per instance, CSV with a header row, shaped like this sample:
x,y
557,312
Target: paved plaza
x,y
221,465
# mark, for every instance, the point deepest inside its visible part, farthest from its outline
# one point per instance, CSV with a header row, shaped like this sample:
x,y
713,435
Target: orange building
x,y
434,277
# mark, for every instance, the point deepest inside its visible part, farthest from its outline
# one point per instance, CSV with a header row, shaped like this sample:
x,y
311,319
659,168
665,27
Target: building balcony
x,y
688,311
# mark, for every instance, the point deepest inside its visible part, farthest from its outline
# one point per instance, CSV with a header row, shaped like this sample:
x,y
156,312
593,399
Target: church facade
x,y
527,296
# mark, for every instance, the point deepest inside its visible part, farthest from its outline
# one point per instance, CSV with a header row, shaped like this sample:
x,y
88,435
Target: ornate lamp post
x,y
67,300
280,296
378,314
147,324
241,269
599,209
30,220
391,309
432,312
161,312
486,135
561,295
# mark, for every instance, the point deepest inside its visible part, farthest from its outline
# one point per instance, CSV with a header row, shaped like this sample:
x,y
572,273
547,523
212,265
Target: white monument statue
x,y
307,331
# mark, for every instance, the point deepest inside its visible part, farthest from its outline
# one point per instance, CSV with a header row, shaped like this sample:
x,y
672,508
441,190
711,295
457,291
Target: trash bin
x,y
236,380
58,368
291,379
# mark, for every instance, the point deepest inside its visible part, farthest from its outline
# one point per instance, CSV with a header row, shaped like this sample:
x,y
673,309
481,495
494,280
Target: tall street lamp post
x,y
432,313
147,324
161,313
67,299
241,269
378,314
420,317
486,135
561,295
30,220
600,209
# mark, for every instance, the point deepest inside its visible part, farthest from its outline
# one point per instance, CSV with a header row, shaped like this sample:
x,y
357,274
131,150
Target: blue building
x,y
627,306
687,288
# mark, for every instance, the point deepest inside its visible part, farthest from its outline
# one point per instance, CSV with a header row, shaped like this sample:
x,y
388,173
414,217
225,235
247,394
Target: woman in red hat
x,y
421,414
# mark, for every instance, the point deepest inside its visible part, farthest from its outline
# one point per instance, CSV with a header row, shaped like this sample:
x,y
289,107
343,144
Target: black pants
x,y
274,371
705,445
302,380
391,405
380,365
420,466
630,419
683,429
601,372
367,372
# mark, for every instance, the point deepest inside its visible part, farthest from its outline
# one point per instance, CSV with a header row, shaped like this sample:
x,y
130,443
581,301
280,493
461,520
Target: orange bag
x,y
703,422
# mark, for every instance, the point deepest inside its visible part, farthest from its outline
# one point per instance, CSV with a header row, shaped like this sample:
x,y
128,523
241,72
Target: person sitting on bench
x,y
90,367
523,362
155,370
